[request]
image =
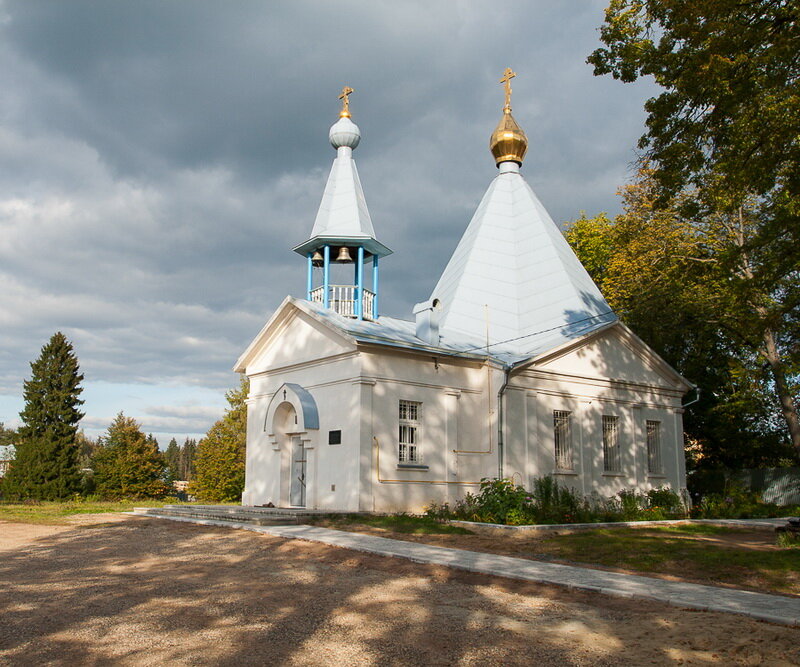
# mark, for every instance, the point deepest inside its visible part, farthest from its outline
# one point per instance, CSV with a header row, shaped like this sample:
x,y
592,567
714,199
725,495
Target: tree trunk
x,y
788,408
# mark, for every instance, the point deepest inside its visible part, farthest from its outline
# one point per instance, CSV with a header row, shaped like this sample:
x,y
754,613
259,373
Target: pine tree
x,y
172,458
221,454
128,463
187,458
46,464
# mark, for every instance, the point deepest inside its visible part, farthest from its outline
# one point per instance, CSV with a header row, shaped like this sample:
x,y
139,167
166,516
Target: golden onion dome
x,y
508,142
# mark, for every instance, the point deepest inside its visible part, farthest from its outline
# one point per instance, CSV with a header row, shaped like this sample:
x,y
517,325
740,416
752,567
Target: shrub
x,y
502,501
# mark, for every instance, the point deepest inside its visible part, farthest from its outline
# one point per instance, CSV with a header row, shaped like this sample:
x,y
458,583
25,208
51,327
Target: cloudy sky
x,y
158,160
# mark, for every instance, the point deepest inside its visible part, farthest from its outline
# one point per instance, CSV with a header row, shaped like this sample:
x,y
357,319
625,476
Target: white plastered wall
x,y
606,376
357,390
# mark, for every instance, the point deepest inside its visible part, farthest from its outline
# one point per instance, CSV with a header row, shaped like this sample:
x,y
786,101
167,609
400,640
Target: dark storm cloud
x,y
161,159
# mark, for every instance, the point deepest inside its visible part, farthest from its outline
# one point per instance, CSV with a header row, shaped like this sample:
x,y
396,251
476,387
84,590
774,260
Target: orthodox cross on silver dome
x,y
345,97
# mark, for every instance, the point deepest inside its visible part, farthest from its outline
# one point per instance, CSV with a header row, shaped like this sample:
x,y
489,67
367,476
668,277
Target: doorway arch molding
x,y
301,400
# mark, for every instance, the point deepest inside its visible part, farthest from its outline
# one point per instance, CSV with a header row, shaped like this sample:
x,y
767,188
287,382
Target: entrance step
x,y
259,516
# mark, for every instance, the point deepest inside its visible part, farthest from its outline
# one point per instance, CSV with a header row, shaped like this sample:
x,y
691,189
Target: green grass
x,y
398,523
681,551
59,512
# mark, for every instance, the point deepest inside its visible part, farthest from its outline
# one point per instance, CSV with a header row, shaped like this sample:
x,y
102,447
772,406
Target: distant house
x,y
6,457
514,367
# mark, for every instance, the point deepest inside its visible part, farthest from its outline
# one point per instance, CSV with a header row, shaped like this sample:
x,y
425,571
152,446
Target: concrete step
x,y
259,516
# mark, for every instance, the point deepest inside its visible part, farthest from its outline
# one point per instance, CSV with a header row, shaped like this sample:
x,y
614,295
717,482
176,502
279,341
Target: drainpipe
x,y
696,398
500,443
507,370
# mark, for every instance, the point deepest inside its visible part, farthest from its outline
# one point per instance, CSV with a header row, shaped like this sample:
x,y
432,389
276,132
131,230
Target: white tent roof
x,y
514,272
343,211
343,214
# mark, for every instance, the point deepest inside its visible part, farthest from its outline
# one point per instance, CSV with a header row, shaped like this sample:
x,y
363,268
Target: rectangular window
x,y
654,448
562,430
408,449
611,462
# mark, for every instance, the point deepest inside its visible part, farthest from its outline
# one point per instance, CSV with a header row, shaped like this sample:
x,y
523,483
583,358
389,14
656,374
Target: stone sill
x,y
412,466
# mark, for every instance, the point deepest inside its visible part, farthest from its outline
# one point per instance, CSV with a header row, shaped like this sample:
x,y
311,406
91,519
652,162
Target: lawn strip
x,y
58,513
699,553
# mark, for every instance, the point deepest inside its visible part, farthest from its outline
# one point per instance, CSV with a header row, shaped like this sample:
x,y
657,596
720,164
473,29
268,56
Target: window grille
x,y
562,430
654,447
408,448
611,458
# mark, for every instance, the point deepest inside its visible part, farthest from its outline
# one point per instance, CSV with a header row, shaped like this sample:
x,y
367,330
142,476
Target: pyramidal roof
x,y
343,214
343,210
513,278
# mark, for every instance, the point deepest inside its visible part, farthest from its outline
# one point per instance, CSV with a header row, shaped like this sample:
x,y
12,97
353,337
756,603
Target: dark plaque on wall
x,y
334,437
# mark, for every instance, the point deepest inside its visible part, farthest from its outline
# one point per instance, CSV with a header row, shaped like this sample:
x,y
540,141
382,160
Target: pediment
x,y
292,336
614,353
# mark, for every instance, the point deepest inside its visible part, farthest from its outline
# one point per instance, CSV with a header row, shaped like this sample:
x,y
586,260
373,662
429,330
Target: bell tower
x,y
343,233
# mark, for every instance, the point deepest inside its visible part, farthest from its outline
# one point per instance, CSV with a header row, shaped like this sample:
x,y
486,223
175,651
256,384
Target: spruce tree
x,y
221,454
127,463
172,459
187,459
46,463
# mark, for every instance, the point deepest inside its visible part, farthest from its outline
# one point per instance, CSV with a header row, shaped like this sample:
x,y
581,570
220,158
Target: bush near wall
x,y
503,502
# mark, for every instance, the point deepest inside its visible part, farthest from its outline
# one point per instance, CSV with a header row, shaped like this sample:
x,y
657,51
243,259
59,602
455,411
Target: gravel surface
x,y
131,591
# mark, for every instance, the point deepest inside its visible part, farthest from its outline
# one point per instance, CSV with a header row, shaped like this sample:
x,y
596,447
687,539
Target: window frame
x,y
653,430
563,450
612,458
409,453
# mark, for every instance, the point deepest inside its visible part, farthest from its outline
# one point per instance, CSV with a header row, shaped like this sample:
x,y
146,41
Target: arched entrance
x,y
291,418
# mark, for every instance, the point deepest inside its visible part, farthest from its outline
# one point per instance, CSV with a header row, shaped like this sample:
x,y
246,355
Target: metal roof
x,y
514,273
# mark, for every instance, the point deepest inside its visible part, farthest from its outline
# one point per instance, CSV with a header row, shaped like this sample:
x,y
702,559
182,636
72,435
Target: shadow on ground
x,y
146,591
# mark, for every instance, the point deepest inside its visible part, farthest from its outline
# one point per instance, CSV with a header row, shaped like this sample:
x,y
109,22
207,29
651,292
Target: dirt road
x,y
135,591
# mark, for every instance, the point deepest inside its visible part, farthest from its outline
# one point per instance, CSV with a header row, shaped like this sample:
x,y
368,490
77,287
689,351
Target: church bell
x,y
317,259
344,255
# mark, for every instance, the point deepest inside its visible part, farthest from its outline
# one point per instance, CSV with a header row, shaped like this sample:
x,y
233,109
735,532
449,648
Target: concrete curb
x,y
760,606
761,524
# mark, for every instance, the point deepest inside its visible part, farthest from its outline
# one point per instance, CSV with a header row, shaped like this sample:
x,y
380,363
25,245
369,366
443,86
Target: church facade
x,y
514,367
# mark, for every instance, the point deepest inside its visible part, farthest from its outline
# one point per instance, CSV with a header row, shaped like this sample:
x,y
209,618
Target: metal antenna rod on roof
x,y
486,318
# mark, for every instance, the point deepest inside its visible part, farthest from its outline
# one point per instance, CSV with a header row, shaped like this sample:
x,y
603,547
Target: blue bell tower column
x,y
343,232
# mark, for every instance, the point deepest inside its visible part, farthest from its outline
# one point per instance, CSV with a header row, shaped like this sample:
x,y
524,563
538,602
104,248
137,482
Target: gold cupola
x,y
508,142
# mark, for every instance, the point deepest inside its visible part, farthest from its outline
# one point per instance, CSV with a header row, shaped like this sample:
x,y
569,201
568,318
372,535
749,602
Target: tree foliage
x,y
723,151
127,464
690,288
180,459
729,116
221,453
46,462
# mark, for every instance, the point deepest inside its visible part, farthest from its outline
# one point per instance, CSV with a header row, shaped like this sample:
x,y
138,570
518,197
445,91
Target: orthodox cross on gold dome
x,y
345,97
506,79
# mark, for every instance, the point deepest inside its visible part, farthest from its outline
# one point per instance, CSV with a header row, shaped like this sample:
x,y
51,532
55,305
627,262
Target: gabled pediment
x,y
293,335
614,353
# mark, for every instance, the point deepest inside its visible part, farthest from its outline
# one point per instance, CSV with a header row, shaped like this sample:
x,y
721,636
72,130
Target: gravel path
x,y
133,591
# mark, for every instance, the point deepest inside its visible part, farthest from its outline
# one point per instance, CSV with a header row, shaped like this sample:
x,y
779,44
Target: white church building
x,y
514,367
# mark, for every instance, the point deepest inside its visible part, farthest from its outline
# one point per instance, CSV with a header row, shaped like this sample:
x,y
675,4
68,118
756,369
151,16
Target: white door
x,y
298,487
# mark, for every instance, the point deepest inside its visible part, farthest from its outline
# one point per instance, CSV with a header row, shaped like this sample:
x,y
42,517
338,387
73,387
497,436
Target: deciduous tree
x,y
679,283
726,125
221,453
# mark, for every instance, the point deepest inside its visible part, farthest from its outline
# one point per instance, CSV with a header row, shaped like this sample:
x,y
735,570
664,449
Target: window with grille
x,y
562,430
611,462
654,447
408,448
